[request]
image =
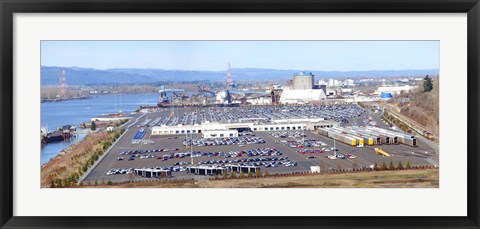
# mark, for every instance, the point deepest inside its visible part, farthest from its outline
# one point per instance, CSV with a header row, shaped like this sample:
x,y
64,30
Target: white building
x,y
346,90
394,89
322,82
220,133
217,129
334,83
349,82
302,96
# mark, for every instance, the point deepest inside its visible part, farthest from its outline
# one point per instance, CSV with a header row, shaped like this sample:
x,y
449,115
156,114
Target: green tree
x,y
427,84
241,174
65,182
224,175
58,183
95,182
249,174
408,166
399,166
391,166
109,182
384,166
233,175
375,166
258,173
93,126
266,174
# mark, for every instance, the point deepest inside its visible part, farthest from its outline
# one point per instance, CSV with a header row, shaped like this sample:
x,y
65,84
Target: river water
x,y
74,112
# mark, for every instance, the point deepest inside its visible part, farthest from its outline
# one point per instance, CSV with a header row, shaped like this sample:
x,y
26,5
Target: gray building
x,y
303,81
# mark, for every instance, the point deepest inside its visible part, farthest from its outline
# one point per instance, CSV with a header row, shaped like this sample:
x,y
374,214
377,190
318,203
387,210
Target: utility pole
x,y
191,144
334,148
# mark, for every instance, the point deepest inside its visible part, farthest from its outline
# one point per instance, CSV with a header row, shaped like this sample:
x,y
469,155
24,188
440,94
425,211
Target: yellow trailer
x,y
362,143
380,151
351,142
370,141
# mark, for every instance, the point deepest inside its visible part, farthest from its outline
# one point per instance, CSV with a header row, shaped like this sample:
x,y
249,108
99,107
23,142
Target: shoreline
x,y
63,151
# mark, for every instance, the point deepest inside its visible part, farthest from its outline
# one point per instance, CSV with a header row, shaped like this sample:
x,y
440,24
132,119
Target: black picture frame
x,y
9,7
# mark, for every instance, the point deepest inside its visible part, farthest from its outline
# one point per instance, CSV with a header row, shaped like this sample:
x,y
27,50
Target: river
x,y
74,112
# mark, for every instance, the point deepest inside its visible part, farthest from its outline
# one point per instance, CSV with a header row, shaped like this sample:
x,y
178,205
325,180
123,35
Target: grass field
x,y
425,178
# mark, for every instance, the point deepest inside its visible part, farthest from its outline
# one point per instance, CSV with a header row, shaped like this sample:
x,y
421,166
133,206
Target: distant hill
x,y
89,76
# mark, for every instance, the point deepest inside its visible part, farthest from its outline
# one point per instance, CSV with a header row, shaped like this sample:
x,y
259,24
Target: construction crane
x,y
203,94
163,100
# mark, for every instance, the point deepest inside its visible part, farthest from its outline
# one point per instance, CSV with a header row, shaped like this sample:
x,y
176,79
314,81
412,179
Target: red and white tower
x,y
63,84
229,76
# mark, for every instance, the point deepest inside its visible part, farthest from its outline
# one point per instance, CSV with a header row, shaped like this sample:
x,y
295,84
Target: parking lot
x,y
277,151
199,115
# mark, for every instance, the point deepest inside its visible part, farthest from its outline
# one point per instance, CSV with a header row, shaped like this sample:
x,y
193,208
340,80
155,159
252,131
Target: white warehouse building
x,y
395,89
302,96
212,130
220,133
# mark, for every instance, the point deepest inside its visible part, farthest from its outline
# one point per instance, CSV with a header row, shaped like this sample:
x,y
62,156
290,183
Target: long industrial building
x,y
359,136
210,130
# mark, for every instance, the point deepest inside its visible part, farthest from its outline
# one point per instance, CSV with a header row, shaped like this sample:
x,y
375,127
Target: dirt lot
x,y
427,178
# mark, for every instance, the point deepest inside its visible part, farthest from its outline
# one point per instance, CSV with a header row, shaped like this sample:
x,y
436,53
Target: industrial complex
x,y
296,127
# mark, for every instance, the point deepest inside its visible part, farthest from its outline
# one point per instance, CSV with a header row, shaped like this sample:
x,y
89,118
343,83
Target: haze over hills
x,y
89,76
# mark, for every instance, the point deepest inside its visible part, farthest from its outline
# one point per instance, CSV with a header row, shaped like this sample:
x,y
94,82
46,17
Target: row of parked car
x,y
302,143
127,152
287,134
119,171
244,140
328,112
243,160
310,151
231,154
340,156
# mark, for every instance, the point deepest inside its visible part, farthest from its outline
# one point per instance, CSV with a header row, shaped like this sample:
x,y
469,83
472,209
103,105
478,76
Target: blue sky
x,y
214,55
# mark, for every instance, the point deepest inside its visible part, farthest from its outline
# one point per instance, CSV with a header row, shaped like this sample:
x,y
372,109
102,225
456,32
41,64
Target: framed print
x,y
239,114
